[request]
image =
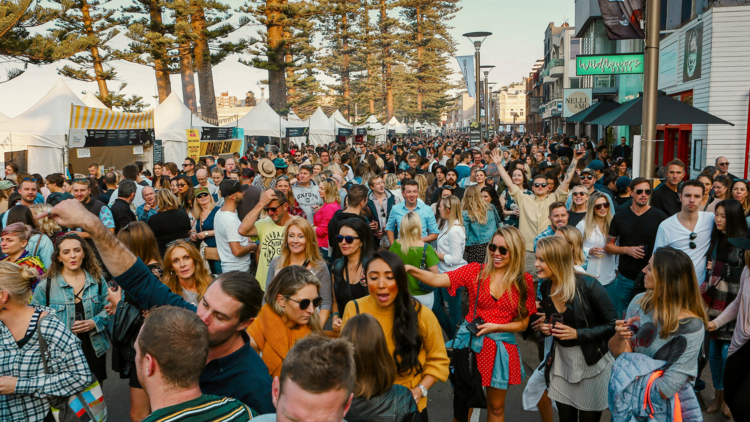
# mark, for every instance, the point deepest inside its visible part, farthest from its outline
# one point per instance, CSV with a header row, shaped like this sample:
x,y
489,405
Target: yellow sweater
x,y
433,356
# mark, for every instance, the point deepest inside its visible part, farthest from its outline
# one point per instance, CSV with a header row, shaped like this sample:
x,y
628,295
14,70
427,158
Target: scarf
x,y
274,338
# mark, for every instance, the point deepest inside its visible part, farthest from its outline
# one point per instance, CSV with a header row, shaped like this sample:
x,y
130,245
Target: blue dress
x,y
208,225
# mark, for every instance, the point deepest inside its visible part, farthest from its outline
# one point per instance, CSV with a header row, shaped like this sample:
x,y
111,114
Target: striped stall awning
x,y
82,117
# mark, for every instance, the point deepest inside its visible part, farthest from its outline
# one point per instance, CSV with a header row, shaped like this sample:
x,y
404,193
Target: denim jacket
x,y
62,301
500,369
478,234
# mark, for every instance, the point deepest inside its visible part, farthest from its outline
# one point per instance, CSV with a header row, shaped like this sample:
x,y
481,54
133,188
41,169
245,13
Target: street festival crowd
x,y
341,282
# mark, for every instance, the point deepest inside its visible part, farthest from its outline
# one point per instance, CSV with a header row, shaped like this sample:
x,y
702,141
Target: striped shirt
x,y
206,408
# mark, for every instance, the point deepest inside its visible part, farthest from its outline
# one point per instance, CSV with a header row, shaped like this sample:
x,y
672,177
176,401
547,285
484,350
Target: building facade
x,y
534,98
511,106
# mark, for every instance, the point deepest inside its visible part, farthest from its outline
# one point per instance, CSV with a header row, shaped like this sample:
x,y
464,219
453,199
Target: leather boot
x,y
718,403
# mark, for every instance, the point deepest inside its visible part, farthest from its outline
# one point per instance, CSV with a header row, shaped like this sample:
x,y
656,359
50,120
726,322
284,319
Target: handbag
x,y
87,405
210,254
422,266
464,372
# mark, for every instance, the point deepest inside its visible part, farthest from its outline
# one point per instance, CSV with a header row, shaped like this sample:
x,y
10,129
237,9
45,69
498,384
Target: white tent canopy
x,y
172,118
41,130
3,117
321,129
340,121
91,101
262,121
292,120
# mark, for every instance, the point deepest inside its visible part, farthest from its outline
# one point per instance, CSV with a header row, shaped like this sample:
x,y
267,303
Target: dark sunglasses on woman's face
x,y
345,239
203,195
305,303
642,191
181,185
603,206
493,248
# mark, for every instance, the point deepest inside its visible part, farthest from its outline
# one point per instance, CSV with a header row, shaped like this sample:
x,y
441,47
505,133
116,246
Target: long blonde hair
x,y
575,239
558,255
312,253
410,231
198,210
590,218
675,289
16,280
331,192
202,277
422,181
514,275
474,205
454,205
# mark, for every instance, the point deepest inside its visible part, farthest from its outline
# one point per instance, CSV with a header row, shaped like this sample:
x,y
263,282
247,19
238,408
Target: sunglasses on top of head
x,y
493,248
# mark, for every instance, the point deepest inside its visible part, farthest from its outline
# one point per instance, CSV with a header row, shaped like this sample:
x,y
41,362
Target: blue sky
x,y
517,42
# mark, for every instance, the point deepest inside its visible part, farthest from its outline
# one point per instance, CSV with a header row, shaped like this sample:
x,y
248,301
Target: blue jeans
x,y
611,289
717,358
450,321
622,293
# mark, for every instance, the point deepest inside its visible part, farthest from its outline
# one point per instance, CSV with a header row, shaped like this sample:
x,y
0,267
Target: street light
x,y
477,46
487,68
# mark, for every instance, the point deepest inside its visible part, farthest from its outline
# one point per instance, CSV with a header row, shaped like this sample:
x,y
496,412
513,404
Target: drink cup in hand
x,y
555,318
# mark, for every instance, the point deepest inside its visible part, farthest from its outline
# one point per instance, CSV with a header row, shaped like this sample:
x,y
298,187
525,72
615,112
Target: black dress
x,y
98,365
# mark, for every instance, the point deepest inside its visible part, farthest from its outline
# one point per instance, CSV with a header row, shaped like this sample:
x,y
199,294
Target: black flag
x,y
622,19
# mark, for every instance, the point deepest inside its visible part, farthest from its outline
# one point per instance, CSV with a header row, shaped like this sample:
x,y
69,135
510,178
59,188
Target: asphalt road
x,y
117,396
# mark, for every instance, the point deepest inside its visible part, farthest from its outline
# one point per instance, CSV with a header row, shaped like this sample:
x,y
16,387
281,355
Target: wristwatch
x,y
424,390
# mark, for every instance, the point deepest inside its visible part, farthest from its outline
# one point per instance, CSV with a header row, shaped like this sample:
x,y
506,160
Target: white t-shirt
x,y
226,226
672,233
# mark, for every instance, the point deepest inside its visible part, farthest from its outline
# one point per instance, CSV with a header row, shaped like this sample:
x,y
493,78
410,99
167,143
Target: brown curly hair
x,y
89,262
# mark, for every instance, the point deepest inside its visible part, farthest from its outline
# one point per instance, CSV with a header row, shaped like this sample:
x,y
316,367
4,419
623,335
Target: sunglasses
x,y
493,248
540,185
181,185
604,206
692,244
185,165
724,164
202,195
580,193
272,209
588,177
33,180
79,179
642,191
305,303
346,239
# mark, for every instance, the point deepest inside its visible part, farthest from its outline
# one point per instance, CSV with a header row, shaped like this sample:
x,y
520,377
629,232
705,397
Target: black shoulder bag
x,y
422,266
465,376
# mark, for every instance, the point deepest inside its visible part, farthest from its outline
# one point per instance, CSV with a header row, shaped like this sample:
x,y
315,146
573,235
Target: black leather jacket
x,y
395,405
595,315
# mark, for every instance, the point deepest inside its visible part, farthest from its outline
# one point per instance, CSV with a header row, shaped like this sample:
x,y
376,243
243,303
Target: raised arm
x,y
577,155
498,159
428,277
247,227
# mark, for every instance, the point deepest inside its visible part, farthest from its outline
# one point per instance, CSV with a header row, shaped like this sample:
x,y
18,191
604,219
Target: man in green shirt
x,y
171,352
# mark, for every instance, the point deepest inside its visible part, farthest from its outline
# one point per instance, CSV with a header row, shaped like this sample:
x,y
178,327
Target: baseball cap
x,y
544,165
596,165
229,187
200,190
587,170
622,183
248,172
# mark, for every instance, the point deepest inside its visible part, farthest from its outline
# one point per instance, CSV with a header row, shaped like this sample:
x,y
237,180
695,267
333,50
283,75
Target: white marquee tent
x,y
321,129
42,131
262,120
292,120
3,117
172,118
90,100
340,122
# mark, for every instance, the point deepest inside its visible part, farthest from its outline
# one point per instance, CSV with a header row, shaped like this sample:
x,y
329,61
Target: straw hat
x,y
266,168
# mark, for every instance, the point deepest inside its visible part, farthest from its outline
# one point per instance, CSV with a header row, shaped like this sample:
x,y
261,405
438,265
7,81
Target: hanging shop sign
x,y
623,19
292,132
218,133
575,100
220,147
693,55
362,131
194,143
91,138
346,132
609,64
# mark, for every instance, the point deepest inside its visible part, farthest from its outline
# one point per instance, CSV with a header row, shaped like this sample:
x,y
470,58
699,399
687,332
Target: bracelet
x,y
336,314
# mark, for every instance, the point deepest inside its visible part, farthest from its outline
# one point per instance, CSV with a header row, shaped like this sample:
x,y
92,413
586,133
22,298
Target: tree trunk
x,y
420,48
386,63
161,65
276,75
203,64
345,74
186,73
94,50
291,90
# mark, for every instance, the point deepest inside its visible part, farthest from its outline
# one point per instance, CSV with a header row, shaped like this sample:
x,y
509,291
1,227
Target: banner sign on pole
x,y
609,64
292,132
623,19
220,147
346,132
194,143
467,68
217,133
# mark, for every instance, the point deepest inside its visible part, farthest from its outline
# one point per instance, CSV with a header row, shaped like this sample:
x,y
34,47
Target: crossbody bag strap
x,y
47,289
39,240
42,343
424,257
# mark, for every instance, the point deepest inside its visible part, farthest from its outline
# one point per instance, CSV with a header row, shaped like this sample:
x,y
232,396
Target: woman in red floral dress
x,y
505,300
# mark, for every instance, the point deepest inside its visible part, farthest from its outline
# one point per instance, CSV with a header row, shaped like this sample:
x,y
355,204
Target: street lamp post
x,y
477,46
487,69
650,88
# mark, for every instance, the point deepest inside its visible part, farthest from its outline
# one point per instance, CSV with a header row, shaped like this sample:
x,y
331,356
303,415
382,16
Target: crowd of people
x,y
317,283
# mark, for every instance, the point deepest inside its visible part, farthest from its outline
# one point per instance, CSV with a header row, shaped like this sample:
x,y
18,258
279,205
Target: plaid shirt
x,y
70,372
